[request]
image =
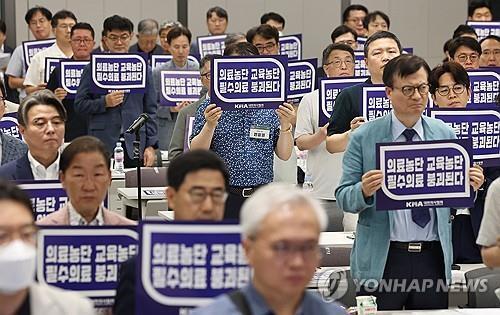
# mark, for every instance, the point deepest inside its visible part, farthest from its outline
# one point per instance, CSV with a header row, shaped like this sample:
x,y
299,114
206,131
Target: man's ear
x,y
170,192
388,92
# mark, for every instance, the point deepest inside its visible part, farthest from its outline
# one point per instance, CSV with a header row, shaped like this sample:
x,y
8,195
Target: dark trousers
x,y
412,272
233,206
465,249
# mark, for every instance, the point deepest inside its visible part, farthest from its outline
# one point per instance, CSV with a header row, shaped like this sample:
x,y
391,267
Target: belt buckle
x,y
246,192
414,247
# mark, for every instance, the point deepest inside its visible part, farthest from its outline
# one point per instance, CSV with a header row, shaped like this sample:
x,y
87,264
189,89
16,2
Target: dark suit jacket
x,y
156,51
125,291
12,94
12,148
19,169
108,123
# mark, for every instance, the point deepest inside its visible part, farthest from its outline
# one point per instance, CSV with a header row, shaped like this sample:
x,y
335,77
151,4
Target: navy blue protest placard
x,y
32,47
85,259
256,82
485,85
185,265
424,174
480,125
177,86
361,42
118,72
50,65
484,29
329,89
10,126
209,45
302,79
46,196
71,73
291,46
360,69
159,60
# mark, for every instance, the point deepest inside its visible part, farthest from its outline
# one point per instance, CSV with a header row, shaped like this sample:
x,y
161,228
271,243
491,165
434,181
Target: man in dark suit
x,y
147,38
10,148
111,114
41,119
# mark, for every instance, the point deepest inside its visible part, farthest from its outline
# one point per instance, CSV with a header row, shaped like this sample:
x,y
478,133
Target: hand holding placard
x,y
371,181
287,116
114,98
212,115
476,177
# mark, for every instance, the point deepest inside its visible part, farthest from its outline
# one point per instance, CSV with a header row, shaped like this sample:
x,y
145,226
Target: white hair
x,y
273,197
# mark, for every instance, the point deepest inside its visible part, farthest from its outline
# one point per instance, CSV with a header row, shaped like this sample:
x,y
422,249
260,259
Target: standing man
x,y
490,47
345,35
376,21
379,49
147,38
217,20
479,10
82,43
62,22
38,20
274,19
466,51
353,16
111,114
394,249
338,61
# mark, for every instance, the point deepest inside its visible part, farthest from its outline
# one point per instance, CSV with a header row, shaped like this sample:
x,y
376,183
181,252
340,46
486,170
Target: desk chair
x,y
481,284
150,177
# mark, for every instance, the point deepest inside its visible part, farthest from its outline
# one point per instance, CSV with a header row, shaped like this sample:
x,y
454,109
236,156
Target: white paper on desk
x,y
4,60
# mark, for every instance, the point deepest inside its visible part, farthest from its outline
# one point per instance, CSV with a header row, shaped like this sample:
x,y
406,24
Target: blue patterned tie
x,y
420,216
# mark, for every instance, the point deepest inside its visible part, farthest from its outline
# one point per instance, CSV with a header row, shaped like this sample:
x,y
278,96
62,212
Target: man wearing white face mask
x,y
19,293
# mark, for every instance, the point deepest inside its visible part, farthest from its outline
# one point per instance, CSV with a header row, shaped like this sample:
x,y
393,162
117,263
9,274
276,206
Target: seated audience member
x,y
19,292
280,232
234,39
376,21
464,30
197,189
489,233
353,16
217,20
450,88
274,19
41,118
466,51
84,172
345,35
338,61
10,94
147,38
490,47
378,50
178,141
10,148
224,132
82,43
165,27
479,10
446,49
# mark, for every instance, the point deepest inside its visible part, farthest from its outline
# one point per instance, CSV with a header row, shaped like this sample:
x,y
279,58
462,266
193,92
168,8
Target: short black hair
x,y
468,42
116,22
272,16
44,11
61,15
241,49
341,30
489,37
83,26
353,7
207,59
403,66
463,29
178,31
42,97
337,46
380,35
194,161
11,192
474,5
220,12
266,31
456,70
3,27
83,144
373,15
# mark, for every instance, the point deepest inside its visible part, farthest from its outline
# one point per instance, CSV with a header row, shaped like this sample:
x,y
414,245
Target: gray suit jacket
x,y
12,148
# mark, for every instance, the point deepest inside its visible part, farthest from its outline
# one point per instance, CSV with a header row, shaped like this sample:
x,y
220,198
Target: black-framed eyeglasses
x,y
445,90
198,195
123,38
337,63
86,41
267,47
409,90
206,75
471,57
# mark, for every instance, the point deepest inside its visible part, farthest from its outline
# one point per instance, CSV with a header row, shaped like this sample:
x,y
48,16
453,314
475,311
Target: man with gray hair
x,y
147,38
280,232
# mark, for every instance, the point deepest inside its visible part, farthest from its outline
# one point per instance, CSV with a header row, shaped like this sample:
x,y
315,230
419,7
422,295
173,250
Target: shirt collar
x,y
398,127
259,305
40,172
76,219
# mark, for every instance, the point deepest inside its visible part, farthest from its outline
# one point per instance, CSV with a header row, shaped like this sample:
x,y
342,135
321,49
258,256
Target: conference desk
x,y
452,311
153,199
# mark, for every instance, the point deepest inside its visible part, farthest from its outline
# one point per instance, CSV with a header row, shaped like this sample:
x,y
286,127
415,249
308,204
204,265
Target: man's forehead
x,y
118,32
383,43
338,53
82,32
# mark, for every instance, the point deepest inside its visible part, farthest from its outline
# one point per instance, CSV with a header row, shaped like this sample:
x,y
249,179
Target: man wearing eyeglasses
x,y
280,233
62,22
82,43
41,118
395,249
111,114
338,61
466,51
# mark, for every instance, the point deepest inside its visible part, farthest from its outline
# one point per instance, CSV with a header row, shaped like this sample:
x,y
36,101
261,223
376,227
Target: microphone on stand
x,y
138,123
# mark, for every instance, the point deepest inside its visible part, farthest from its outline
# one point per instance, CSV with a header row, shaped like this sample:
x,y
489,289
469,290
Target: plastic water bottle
x,y
118,155
308,185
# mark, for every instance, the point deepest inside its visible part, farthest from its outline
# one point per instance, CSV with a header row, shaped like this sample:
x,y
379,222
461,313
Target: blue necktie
x,y
420,216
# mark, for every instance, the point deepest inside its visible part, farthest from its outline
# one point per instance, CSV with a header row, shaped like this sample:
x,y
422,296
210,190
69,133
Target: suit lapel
x,y
23,168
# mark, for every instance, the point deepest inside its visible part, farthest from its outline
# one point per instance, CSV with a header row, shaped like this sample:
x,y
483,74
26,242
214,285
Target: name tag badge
x,y
260,132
